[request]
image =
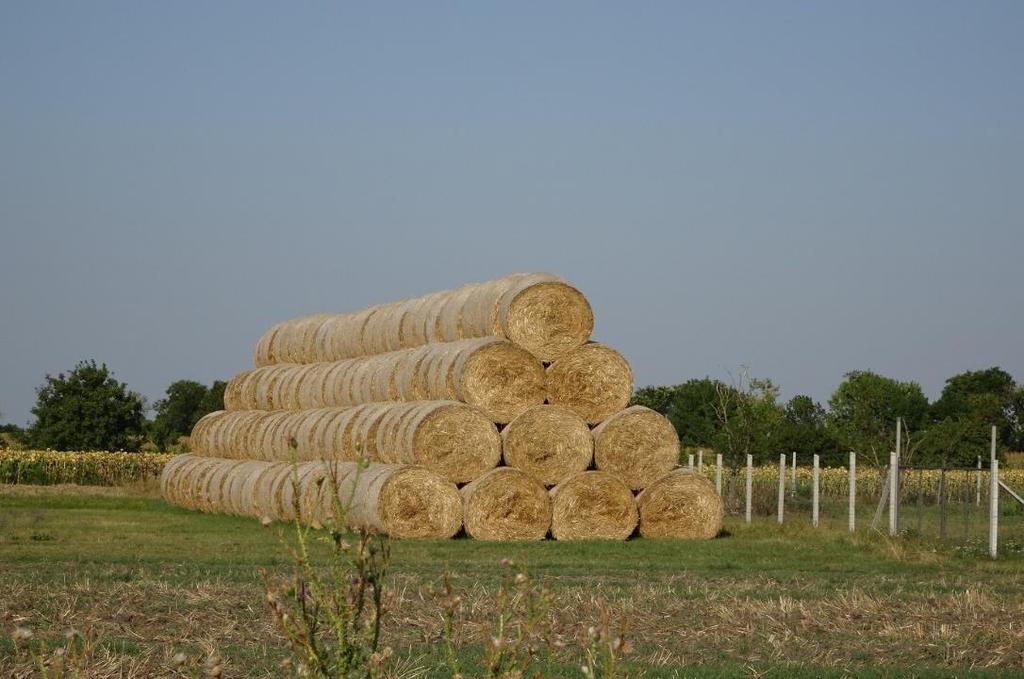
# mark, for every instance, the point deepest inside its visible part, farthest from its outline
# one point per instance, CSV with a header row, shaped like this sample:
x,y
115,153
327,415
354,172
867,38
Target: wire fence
x,y
951,506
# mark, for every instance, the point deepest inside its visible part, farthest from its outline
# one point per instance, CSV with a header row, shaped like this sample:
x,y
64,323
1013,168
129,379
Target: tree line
x,y
746,416
88,409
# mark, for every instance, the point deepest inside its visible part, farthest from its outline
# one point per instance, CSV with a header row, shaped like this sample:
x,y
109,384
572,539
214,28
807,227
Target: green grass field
x,y
143,580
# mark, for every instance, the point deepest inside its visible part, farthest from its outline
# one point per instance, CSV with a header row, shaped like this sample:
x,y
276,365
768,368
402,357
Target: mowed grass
x,y
143,580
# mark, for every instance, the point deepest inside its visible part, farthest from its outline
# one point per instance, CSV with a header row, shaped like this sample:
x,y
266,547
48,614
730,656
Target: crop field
x,y
141,581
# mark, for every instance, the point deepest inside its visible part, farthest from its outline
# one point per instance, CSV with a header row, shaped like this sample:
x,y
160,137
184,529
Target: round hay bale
x,y
549,318
592,506
680,504
453,440
594,380
548,442
402,501
169,475
637,444
540,312
506,504
497,377
262,354
233,391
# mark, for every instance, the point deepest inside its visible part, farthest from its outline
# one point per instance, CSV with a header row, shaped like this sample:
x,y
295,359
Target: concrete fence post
x,y
782,484
792,484
993,511
750,483
814,494
718,473
893,498
690,464
977,484
853,491
993,500
700,461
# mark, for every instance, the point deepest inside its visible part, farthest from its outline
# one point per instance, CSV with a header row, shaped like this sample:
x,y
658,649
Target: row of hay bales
x,y
540,312
489,373
452,439
494,387
407,501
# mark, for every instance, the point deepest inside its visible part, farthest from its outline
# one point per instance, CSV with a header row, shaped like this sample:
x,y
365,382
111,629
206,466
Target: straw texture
x,y
401,500
549,443
538,311
489,373
506,504
452,439
637,444
592,506
680,504
594,380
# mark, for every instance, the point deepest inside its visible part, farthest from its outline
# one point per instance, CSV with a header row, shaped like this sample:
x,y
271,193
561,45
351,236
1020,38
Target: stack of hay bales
x,y
486,408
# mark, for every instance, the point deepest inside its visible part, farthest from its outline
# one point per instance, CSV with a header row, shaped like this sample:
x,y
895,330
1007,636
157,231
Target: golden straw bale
x,y
449,438
548,442
489,373
401,501
498,377
539,312
680,504
546,316
592,506
638,444
506,504
594,380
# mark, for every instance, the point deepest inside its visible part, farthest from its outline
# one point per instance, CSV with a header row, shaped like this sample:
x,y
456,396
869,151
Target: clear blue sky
x,y
807,188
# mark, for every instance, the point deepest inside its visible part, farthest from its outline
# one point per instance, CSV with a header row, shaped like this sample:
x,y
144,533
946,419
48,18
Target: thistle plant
x,y
330,609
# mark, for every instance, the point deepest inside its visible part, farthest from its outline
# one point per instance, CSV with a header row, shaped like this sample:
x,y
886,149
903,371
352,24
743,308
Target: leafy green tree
x,y
186,401
982,398
690,407
1016,441
804,430
864,408
749,420
86,409
953,442
177,412
214,399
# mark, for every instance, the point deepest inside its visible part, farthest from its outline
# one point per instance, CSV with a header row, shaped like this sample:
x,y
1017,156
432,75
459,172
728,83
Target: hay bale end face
x,y
499,378
548,442
637,444
548,318
592,506
593,380
680,504
506,504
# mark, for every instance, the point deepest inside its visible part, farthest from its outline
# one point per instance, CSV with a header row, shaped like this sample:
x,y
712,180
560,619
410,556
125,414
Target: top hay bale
x,y
540,312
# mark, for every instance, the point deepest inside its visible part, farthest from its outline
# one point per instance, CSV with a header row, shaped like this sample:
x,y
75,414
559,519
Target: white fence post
x,y
792,485
700,461
782,484
814,494
853,491
993,500
894,507
750,482
691,462
718,473
993,511
977,484
892,493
